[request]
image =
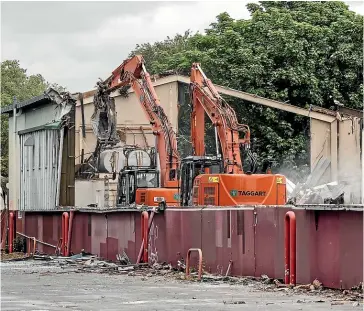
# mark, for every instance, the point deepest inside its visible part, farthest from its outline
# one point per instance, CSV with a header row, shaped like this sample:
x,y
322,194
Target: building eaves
x,y
37,100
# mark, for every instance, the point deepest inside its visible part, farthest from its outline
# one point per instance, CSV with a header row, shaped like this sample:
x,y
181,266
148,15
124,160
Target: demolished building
x,y
57,132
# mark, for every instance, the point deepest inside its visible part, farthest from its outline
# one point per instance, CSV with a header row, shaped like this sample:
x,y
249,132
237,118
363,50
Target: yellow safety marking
x,y
279,180
213,179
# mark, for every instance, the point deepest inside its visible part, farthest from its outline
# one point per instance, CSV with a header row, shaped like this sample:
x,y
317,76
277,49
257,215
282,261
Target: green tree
x,y
16,83
303,53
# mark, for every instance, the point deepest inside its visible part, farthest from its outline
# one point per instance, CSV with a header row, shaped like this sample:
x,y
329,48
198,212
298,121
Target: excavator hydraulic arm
x,y
203,184
132,73
205,98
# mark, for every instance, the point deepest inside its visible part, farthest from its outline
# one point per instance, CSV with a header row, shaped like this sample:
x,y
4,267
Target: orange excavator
x,y
220,180
147,185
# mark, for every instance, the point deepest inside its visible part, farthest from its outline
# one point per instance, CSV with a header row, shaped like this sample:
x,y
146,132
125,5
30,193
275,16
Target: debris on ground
x,y
239,302
42,257
13,256
266,279
88,263
181,265
123,259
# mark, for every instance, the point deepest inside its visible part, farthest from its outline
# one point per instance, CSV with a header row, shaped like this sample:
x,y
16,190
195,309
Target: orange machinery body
x,y
154,196
239,189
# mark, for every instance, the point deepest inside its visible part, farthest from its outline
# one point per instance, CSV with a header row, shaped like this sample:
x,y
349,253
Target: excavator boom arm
x,y
205,98
132,73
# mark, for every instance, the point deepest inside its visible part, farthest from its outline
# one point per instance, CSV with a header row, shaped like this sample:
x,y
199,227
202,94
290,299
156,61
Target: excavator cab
x,y
141,186
191,167
130,180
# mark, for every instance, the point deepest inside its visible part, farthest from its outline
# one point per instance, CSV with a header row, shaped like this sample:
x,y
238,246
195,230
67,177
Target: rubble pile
x,y
88,263
312,192
337,297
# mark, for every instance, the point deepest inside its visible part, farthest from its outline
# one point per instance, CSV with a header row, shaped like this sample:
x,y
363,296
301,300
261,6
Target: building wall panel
x,y
265,241
243,242
172,224
351,249
39,170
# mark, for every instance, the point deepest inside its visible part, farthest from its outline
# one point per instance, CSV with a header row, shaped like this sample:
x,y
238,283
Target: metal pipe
x,y
229,267
199,262
6,216
38,241
217,143
4,225
140,252
62,234
16,185
65,222
145,223
72,213
59,173
83,116
15,167
83,126
34,245
28,246
11,232
362,161
290,248
149,225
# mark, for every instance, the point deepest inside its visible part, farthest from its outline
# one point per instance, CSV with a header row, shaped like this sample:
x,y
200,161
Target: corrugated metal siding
x,y
38,170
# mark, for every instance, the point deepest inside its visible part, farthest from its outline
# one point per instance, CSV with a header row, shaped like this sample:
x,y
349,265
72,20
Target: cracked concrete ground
x,y
32,285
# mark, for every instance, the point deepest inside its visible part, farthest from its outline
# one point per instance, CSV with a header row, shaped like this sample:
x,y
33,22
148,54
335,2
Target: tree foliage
x,y
303,53
16,83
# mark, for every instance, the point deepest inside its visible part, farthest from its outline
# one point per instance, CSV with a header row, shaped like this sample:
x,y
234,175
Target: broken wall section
x,y
131,123
336,163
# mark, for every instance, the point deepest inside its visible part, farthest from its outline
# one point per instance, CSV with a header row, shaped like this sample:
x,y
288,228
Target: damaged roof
x,y
49,96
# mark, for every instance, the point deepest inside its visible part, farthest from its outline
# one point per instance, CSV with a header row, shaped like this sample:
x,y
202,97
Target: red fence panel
x,y
242,241
329,243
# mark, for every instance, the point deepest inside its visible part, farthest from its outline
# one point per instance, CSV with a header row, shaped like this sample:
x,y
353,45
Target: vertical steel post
x,y
290,249
145,223
65,223
59,171
34,245
69,233
362,160
11,232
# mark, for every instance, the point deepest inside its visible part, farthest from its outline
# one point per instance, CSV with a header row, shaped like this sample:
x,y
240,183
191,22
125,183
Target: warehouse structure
x,y
50,134
334,135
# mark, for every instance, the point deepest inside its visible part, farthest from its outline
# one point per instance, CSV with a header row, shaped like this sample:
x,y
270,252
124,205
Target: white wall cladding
x,y
38,169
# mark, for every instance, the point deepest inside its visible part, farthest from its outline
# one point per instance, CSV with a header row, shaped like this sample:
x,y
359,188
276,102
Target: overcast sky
x,y
74,43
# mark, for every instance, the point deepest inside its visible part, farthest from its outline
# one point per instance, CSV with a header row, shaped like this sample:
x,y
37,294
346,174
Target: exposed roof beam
x,y
317,113
268,102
